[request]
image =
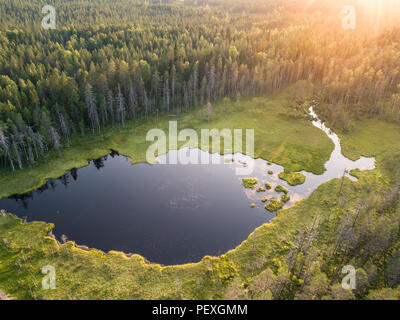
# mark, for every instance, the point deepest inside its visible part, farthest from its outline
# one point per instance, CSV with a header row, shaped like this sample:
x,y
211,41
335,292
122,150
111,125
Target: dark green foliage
x,y
143,58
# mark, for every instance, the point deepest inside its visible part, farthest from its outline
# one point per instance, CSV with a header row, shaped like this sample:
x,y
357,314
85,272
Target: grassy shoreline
x,y
85,274
279,142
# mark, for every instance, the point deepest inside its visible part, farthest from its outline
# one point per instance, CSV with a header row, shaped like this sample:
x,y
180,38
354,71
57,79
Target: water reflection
x,y
170,214
337,166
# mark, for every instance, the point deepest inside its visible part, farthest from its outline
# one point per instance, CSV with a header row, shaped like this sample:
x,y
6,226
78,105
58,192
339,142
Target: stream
x,y
170,214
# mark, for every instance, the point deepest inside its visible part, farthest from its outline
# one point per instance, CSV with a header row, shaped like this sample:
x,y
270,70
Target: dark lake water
x,y
170,214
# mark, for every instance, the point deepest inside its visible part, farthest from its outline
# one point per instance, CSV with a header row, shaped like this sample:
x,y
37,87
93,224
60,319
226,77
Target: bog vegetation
x,y
124,63
108,63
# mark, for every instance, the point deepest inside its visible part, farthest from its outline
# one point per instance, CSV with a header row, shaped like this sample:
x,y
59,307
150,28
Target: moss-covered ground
x,y
274,205
25,247
293,143
293,178
249,183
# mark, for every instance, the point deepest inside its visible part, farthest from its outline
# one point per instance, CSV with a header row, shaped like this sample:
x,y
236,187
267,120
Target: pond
x,y
170,214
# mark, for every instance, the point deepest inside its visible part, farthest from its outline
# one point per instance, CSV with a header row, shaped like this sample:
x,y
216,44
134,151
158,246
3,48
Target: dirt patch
x,y
3,296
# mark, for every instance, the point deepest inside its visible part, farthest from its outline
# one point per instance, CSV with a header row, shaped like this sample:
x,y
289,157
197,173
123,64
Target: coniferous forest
x,y
113,61
122,65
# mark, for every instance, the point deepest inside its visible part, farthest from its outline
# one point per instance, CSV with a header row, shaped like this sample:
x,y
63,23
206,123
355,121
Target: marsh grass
x,y
276,138
274,205
249,183
293,178
280,189
26,247
285,198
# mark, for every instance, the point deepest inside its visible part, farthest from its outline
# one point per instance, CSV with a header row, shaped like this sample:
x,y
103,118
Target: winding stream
x,y
170,214
336,166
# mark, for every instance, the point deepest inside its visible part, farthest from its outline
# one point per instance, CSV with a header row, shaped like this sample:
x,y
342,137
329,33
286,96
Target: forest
x,y
170,59
122,64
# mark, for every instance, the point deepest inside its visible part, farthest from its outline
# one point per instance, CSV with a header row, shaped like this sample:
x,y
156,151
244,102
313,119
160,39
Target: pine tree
x,y
55,139
132,102
121,106
90,100
4,145
64,127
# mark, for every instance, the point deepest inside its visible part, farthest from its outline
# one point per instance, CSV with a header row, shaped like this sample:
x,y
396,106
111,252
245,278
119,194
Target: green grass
x,y
371,138
25,247
249,183
279,188
268,186
294,178
285,198
274,205
295,144
94,275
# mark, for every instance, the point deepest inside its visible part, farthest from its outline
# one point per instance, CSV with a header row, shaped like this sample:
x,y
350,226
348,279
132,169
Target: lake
x,y
170,214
